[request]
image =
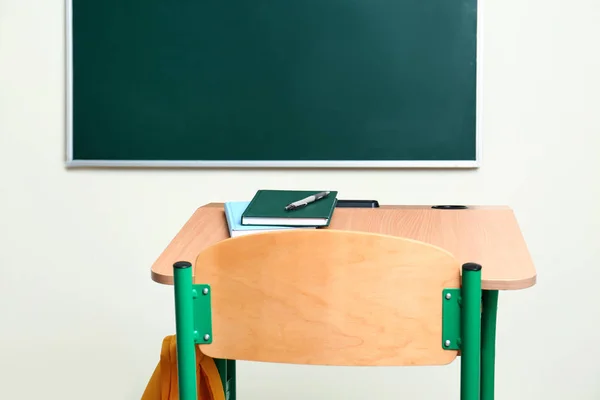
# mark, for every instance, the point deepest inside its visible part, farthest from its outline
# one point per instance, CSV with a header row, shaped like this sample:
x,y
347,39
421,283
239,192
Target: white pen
x,y
306,201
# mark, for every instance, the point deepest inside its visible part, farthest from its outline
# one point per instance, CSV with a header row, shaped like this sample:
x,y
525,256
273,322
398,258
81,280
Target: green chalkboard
x,y
272,82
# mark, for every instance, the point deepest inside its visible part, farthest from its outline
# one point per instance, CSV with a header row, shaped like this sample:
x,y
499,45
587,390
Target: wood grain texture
x,y
327,297
488,235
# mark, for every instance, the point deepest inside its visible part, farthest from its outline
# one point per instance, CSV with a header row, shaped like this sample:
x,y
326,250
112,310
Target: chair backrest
x,y
327,297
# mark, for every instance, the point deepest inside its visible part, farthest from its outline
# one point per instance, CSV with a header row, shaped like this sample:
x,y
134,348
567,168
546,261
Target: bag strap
x,y
210,373
208,380
168,360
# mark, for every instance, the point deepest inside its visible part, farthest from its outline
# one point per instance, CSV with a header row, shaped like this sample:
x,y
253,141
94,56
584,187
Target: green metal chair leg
x,y
184,317
471,332
488,343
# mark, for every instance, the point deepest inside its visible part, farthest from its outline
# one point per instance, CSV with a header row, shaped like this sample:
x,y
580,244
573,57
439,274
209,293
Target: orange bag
x,y
163,384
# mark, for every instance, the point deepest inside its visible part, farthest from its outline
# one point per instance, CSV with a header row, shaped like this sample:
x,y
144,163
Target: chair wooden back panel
x,y
327,297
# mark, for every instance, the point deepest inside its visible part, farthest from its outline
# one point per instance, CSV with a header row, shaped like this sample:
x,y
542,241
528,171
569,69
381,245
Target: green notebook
x,y
268,208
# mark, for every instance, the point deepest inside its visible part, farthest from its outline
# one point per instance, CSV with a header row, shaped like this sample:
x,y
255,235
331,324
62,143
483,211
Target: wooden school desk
x,y
486,235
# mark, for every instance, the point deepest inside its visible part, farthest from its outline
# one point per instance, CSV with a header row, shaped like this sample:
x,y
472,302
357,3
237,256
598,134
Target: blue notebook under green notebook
x,y
233,214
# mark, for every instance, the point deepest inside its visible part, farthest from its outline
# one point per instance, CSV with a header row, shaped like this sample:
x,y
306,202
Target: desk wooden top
x,y
487,235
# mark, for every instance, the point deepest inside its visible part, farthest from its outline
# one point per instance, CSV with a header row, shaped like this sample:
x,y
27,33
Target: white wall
x,y
80,317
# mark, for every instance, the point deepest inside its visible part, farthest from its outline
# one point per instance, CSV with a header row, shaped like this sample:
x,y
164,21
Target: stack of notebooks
x,y
267,212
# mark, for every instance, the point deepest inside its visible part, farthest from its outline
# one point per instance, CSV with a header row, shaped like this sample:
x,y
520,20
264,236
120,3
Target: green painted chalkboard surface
x,y
272,82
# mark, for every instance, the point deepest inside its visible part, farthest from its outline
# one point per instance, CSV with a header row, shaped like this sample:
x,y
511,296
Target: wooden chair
x,y
327,297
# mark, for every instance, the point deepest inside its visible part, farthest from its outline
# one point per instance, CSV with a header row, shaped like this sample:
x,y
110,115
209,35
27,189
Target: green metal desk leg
x,y
222,366
488,343
471,332
184,328
227,372
232,381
